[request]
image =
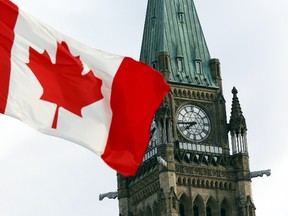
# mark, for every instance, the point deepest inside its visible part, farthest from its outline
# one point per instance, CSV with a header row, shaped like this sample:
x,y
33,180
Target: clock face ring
x,y
193,123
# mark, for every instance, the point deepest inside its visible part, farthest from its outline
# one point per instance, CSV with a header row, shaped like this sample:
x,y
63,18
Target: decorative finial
x,y
234,91
237,120
237,126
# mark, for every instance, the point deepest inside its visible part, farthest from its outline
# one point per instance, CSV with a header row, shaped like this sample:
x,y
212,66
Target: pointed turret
x,y
237,126
173,43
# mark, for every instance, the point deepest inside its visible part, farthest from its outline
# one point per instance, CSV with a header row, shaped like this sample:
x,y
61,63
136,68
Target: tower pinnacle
x,y
237,126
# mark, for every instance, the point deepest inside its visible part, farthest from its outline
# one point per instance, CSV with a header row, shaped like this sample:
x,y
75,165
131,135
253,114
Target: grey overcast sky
x,y
42,175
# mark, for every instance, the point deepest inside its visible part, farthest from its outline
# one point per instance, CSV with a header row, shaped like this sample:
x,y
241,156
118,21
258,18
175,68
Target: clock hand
x,y
184,122
190,124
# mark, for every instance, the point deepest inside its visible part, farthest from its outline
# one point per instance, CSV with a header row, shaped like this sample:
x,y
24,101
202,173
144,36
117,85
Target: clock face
x,y
193,123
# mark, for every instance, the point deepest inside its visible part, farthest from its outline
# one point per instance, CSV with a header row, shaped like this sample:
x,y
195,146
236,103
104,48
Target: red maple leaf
x,y
62,82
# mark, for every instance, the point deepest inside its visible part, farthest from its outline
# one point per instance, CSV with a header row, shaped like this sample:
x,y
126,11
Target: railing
x,y
200,148
150,153
187,146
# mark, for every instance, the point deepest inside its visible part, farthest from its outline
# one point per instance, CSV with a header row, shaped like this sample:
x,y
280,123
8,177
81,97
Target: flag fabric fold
x,y
61,87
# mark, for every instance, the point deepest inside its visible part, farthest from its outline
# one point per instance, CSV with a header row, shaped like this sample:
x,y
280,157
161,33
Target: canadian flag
x,y
64,88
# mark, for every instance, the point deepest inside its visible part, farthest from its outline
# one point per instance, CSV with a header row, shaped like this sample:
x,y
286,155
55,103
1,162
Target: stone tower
x,y
189,168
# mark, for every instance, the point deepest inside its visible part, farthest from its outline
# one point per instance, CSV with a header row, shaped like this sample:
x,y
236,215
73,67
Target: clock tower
x,y
189,167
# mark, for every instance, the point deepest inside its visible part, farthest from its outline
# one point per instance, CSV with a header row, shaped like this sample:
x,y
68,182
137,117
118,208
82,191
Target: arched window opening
x,y
181,210
156,211
251,211
223,212
184,205
195,210
148,211
211,206
199,206
225,209
208,211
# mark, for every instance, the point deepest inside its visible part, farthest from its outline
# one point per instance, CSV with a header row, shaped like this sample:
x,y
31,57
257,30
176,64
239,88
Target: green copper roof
x,y
172,29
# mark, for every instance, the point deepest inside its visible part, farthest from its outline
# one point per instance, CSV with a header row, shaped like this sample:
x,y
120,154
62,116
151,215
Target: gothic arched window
x,y
196,210
208,211
251,211
223,212
156,211
181,210
148,211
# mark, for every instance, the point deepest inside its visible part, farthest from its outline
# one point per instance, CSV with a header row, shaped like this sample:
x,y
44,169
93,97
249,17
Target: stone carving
x,y
204,171
162,162
144,192
260,173
109,195
173,197
193,94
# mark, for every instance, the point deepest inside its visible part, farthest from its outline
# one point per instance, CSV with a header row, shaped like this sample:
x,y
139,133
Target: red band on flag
x,y
137,92
8,17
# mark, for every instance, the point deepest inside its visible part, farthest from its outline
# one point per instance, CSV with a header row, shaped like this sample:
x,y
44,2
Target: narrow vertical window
x,y
208,211
180,13
180,64
251,211
153,21
223,212
153,17
196,210
181,17
154,64
166,62
181,209
198,66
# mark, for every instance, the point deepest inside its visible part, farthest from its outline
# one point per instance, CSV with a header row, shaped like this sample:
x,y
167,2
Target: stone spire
x,y
237,126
